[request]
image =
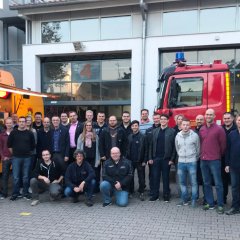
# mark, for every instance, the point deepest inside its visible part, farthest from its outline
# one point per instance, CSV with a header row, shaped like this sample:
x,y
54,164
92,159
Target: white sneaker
x,y
34,202
29,190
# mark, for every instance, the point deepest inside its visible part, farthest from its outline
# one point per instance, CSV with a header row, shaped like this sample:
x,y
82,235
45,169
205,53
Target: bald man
x,y
117,177
213,145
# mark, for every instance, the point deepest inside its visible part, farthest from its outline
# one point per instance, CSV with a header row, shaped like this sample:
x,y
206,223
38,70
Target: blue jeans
x,y
212,168
107,190
21,169
160,166
235,182
185,169
88,189
6,166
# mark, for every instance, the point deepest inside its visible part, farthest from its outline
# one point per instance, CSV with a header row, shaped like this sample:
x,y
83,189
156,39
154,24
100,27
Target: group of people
x,y
68,157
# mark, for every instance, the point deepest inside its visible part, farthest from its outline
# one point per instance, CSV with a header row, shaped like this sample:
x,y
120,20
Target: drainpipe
x,y
143,7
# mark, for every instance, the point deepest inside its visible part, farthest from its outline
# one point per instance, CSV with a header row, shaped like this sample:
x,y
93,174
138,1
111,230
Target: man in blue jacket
x,y
80,178
232,161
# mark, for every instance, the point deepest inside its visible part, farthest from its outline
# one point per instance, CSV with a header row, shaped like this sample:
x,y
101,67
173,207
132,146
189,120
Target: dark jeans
x,y
140,172
71,152
160,167
37,186
21,169
88,189
212,168
58,158
6,166
225,181
98,176
235,181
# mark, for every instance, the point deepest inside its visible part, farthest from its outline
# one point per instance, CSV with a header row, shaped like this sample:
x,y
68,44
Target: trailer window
x,y
186,92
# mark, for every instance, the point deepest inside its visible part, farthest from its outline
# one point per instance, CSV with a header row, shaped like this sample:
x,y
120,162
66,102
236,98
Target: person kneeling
x,y
48,175
80,178
117,178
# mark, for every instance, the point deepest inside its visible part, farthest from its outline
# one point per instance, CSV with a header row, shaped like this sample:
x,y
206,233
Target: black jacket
x,y
44,142
121,172
170,151
76,174
127,130
78,131
64,141
52,171
105,142
142,147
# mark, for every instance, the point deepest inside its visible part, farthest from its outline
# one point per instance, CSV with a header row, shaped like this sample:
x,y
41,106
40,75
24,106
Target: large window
x,y
93,80
83,30
218,19
55,32
182,22
116,27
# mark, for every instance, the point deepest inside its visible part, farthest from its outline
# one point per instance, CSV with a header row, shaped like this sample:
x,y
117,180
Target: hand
x,y
170,163
66,159
227,169
76,189
6,158
150,162
46,180
55,181
143,164
118,186
103,158
81,186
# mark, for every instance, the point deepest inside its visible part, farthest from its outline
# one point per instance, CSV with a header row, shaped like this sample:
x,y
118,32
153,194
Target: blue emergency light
x,y
180,57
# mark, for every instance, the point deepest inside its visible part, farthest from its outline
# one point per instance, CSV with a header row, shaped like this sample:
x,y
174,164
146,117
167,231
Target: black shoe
x,y
141,197
13,197
89,203
106,204
153,199
232,211
166,199
74,200
27,197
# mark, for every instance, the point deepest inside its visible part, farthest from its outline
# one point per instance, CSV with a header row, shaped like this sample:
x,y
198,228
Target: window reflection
x,y
83,30
53,32
116,69
217,19
86,91
116,27
116,90
182,22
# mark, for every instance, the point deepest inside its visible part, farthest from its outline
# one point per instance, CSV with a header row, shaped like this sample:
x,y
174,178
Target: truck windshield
x,y
162,83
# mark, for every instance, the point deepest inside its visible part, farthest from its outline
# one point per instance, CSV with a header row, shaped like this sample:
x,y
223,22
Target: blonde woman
x,y
88,142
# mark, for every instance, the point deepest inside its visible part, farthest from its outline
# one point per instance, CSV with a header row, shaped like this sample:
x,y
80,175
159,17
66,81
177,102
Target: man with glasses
x,y
126,123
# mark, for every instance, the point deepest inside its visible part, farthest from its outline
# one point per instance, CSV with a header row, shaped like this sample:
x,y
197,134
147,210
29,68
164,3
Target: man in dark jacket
x,y
60,143
80,178
112,136
117,177
136,153
126,123
47,175
232,161
162,154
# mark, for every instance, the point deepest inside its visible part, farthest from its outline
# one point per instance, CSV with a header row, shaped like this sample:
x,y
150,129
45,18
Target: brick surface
x,y
140,220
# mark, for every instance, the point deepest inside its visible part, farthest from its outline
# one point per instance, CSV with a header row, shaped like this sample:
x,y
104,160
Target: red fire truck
x,y
191,88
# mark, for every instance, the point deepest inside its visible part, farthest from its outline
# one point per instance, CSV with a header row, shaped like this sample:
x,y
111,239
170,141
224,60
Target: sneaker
x,y
27,197
141,196
13,197
220,210
107,204
89,203
208,207
34,202
232,211
3,196
153,199
180,204
19,195
166,199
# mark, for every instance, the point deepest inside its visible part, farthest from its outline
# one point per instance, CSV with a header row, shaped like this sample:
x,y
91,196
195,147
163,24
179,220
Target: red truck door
x,y
186,94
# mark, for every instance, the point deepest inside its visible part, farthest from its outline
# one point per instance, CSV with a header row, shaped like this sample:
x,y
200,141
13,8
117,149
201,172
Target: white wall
x,y
1,40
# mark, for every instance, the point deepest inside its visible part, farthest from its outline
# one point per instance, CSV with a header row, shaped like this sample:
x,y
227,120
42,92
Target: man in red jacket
x,y
213,145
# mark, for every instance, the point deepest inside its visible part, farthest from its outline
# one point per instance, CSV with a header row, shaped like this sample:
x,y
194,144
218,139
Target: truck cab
x,y
191,88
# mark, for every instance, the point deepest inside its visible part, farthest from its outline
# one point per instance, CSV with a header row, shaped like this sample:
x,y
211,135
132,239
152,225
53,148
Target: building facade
x,y
107,55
